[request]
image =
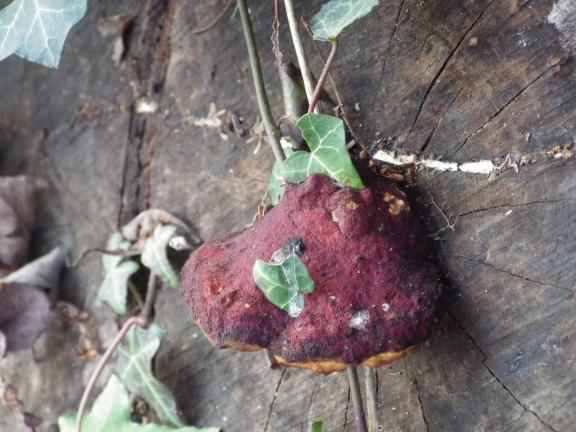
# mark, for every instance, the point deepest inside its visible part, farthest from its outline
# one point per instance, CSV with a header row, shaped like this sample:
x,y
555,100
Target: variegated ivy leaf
x,y
284,281
328,155
111,412
154,255
117,273
134,368
336,15
37,29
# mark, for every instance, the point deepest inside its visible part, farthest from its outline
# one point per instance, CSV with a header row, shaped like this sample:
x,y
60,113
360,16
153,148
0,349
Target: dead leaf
x,y
12,418
24,314
139,229
16,221
43,272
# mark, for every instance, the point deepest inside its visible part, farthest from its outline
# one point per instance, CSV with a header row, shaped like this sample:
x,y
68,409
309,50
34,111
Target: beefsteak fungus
x,y
375,291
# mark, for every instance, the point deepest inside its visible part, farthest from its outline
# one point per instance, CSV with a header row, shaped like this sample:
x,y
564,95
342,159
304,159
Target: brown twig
x,y
272,130
339,101
354,382
298,47
116,252
215,21
323,76
134,321
371,403
143,320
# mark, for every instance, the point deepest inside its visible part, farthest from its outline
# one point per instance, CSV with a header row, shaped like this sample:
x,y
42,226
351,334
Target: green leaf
x,y
111,412
317,426
37,29
328,155
284,281
154,255
336,15
117,272
134,368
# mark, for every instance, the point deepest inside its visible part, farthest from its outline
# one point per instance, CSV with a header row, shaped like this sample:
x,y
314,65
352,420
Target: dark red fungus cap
x,y
375,286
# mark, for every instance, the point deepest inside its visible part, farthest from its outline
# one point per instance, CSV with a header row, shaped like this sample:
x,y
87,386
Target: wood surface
x,y
457,79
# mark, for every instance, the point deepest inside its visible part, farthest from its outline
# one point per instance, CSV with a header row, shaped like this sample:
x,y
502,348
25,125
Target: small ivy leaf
x,y
336,15
326,138
134,368
117,273
284,283
111,412
317,426
154,255
36,30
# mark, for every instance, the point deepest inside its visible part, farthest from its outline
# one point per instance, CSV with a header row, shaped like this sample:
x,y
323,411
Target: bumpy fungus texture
x,y
376,287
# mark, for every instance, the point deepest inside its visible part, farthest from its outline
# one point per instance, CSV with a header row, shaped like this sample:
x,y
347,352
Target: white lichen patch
x,y
563,16
359,320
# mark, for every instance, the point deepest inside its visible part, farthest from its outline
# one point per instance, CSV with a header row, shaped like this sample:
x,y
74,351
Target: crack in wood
x,y
345,422
503,108
274,398
484,358
421,405
511,205
148,61
438,123
569,291
442,68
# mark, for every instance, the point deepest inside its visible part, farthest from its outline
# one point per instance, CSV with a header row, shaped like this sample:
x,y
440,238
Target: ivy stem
x,y
214,21
371,403
263,104
354,382
143,320
323,76
299,48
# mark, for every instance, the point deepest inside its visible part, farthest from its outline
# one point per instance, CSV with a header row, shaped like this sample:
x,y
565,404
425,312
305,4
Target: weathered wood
x,y
462,79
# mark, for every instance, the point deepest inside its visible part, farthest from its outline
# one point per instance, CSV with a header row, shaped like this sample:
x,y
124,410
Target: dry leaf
x,y
24,314
43,272
16,220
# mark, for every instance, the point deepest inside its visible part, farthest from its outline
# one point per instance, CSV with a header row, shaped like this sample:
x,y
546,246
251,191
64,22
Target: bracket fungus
x,y
375,284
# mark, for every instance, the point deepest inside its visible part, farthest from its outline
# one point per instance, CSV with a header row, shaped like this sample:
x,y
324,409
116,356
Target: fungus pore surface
x,y
376,286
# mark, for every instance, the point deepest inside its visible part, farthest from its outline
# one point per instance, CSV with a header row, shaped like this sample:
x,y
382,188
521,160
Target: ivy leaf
x,y
134,368
317,426
111,412
336,15
117,272
326,139
154,255
37,29
284,281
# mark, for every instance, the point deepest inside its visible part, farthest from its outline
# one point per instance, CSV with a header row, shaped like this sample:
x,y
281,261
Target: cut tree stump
x,y
461,80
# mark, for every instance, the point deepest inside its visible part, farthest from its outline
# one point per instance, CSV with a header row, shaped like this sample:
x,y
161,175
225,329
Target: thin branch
x,y
354,382
143,320
263,104
216,20
341,110
299,48
322,79
134,321
371,402
117,252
